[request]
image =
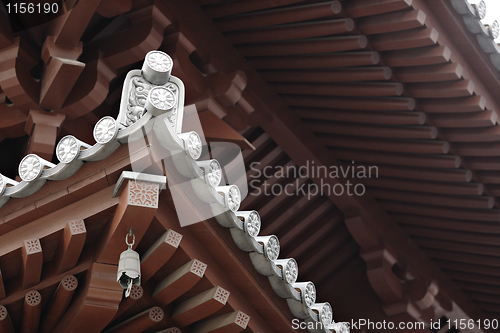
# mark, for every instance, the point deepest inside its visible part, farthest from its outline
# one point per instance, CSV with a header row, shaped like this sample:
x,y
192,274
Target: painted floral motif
x,y
136,292
143,194
30,167
242,319
32,246
159,61
105,130
198,268
173,238
221,295
69,282
33,298
156,314
67,149
77,227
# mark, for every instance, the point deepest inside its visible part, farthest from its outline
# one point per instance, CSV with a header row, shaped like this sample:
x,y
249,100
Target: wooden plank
x,y
199,306
179,282
32,263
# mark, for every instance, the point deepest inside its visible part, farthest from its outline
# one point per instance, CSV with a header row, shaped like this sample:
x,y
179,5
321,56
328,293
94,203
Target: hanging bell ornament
x,y
129,266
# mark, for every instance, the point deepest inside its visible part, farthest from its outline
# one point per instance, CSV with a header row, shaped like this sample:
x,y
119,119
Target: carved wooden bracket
x,y
98,300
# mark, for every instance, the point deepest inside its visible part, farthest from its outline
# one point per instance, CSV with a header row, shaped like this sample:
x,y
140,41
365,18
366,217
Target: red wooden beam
x,y
342,75
292,31
280,16
422,56
59,303
392,22
32,263
70,246
32,311
5,322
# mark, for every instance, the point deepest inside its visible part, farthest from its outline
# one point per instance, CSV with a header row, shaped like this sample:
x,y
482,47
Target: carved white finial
x,y
157,67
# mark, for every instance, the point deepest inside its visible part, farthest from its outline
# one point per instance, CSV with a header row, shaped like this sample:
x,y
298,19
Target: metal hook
x,y
130,233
